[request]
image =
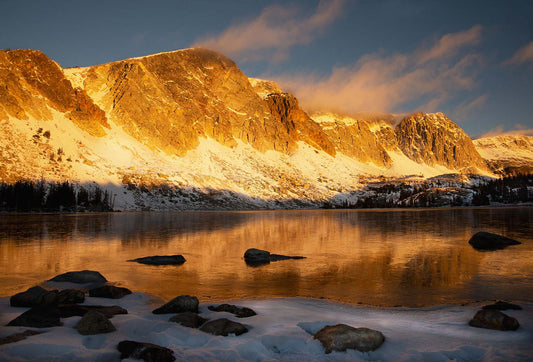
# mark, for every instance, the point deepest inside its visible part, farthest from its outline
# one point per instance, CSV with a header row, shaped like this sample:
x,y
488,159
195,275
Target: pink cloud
x,y
380,82
522,55
273,32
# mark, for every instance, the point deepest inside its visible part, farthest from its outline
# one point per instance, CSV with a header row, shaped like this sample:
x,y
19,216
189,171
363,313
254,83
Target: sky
x,y
472,60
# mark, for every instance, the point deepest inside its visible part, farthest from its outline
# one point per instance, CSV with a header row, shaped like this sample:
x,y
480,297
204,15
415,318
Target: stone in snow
x,y
161,260
147,352
500,305
223,327
70,296
70,310
109,291
182,303
188,319
494,319
12,338
38,317
29,298
239,312
94,322
341,337
80,277
486,241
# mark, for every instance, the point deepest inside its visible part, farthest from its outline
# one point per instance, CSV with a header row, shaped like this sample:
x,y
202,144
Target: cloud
x,y
461,112
271,35
518,129
429,76
522,55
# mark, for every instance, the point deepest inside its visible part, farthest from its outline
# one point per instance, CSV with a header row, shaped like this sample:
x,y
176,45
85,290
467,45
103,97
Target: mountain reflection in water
x,y
383,257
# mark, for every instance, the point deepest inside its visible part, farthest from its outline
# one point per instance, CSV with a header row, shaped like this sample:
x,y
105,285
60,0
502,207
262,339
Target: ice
x,y
282,330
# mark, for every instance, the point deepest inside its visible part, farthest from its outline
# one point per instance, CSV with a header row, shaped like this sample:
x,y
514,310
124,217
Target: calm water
x,y
398,257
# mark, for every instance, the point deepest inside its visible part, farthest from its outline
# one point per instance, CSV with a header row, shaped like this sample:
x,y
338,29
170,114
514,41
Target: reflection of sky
x,y
395,257
462,58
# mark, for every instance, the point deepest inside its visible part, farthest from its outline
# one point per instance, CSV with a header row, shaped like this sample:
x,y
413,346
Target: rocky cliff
x,y
509,154
435,140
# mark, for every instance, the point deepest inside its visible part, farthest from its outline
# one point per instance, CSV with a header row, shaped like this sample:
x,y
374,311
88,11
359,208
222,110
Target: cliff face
x,y
33,85
510,154
435,140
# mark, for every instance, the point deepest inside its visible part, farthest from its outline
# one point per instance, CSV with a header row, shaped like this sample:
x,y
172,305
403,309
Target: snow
x,y
282,330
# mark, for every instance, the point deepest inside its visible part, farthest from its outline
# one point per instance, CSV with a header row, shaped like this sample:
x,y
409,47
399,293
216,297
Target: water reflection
x,y
399,257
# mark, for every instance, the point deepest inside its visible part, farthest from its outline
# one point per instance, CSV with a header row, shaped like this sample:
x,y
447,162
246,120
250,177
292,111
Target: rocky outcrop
x,y
33,85
182,303
486,241
494,319
434,139
341,337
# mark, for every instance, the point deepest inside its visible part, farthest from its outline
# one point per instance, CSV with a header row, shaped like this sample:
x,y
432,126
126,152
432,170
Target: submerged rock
x,y
239,312
500,305
32,297
161,260
489,241
494,319
257,257
147,352
341,337
12,338
188,319
94,323
223,327
38,317
70,310
182,303
80,277
109,291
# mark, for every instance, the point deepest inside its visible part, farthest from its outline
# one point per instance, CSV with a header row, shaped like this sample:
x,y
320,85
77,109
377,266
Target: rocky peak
x,y
433,139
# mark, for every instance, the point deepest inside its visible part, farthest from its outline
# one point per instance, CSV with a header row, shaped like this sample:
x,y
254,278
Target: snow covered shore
x,y
282,330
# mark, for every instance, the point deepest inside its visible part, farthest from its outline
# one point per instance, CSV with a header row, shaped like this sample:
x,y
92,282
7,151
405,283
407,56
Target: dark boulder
x,y
223,327
80,277
341,337
70,310
109,291
182,303
12,338
161,260
40,316
494,319
500,305
32,297
257,257
188,319
94,323
488,241
239,312
147,352
70,296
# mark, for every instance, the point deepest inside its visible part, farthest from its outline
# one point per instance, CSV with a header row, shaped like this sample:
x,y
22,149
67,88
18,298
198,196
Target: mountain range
x,y
188,130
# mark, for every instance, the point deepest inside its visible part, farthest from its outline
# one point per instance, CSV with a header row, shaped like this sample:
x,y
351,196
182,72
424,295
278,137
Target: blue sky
x,y
472,60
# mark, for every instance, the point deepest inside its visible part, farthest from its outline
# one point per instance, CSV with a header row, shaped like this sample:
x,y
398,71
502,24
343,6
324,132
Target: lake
x,y
414,257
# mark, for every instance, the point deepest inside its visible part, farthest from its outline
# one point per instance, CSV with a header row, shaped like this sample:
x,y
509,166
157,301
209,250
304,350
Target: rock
x,y
18,336
240,312
146,351
489,241
94,322
182,303
494,319
70,296
223,327
109,291
161,260
188,319
31,297
499,305
257,257
341,337
80,277
71,310
38,317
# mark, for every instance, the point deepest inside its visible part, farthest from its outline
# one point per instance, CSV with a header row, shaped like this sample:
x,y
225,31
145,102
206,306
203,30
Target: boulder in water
x,y
486,241
239,312
109,291
80,277
161,260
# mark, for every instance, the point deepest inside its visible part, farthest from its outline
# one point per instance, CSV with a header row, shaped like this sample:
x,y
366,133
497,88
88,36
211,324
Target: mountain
x,y
507,154
188,130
